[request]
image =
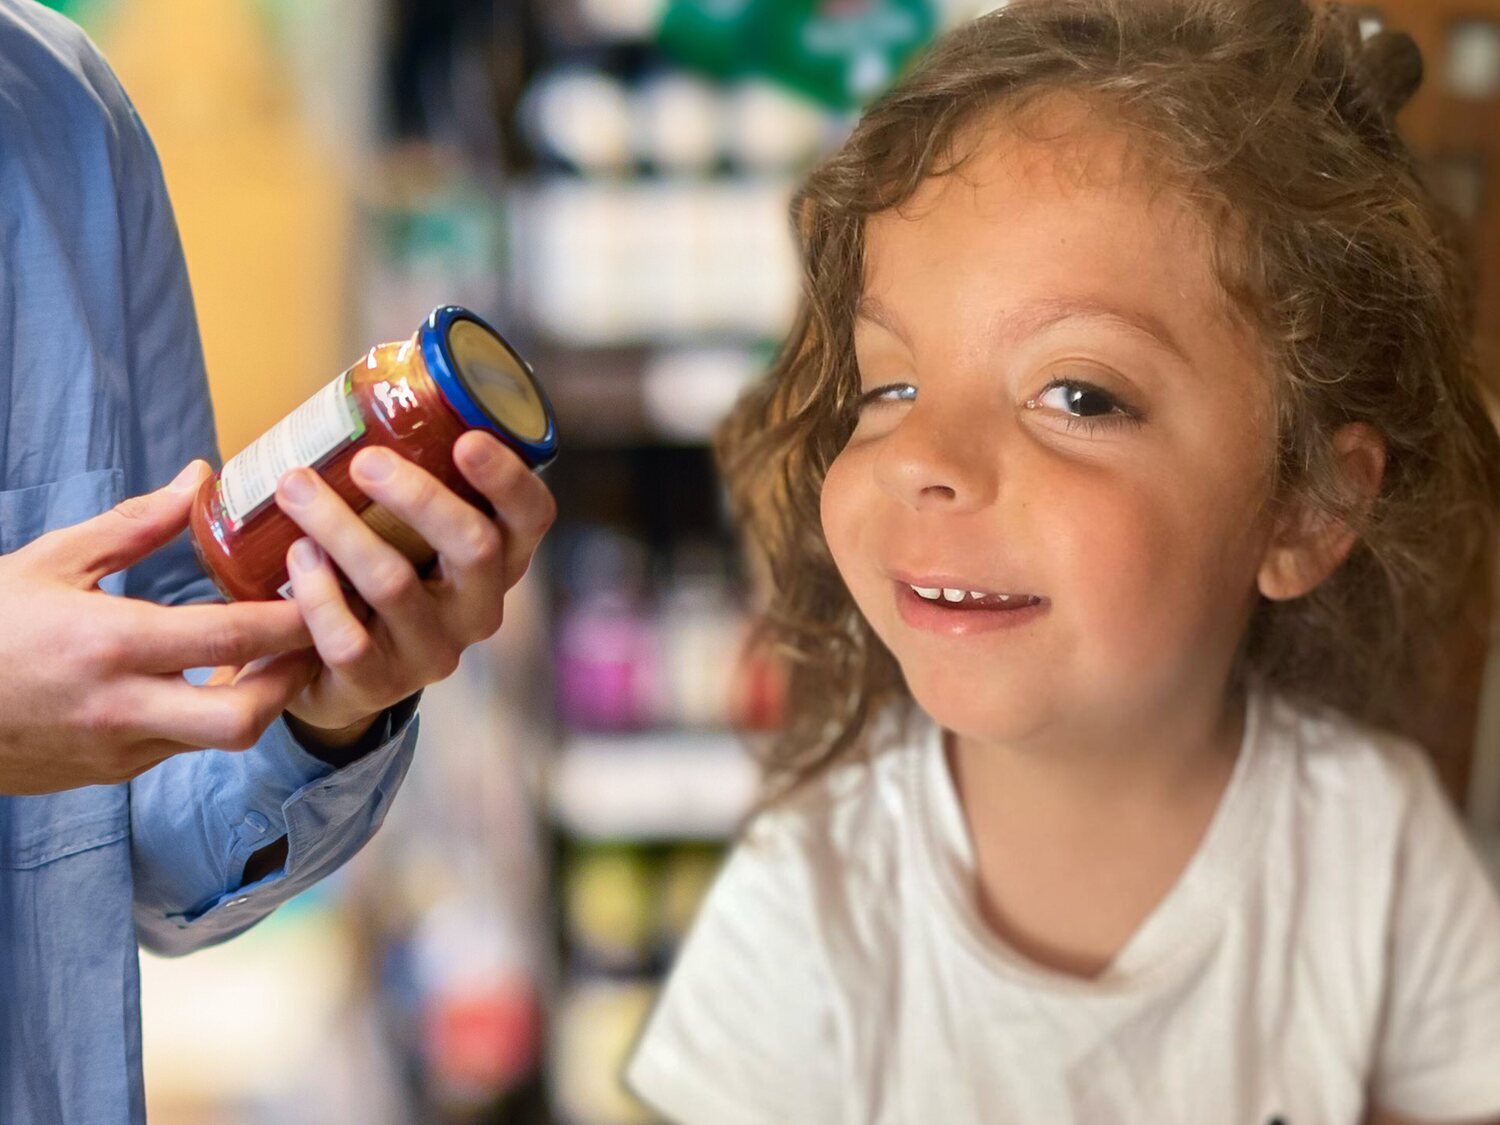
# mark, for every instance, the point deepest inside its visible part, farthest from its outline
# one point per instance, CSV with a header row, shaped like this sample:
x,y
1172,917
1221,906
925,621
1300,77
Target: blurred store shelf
x,y
611,397
606,262
672,785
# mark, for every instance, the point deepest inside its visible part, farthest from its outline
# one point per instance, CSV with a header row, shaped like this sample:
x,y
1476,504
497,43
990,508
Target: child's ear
x,y
1308,546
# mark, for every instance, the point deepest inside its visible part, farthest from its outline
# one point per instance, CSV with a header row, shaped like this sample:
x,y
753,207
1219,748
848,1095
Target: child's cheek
x,y
1120,565
1148,567
837,505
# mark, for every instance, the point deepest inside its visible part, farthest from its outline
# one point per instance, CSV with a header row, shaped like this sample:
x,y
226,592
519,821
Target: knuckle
x,y
485,543
104,720
133,508
241,730
226,644
393,583
100,648
348,647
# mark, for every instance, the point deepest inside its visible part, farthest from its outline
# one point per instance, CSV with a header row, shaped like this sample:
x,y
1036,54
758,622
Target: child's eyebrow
x,y
1039,314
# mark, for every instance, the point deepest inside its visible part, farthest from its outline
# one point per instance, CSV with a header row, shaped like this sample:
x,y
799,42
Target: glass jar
x,y
416,397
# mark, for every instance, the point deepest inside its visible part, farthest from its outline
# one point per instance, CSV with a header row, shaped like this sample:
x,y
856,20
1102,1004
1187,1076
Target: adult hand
x,y
416,628
93,690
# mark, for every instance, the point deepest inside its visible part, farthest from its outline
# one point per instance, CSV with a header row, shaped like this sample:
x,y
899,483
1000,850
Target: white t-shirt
x,y
1334,940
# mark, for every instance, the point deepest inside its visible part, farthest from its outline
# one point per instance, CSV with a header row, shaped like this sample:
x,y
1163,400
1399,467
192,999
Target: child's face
x,y
988,467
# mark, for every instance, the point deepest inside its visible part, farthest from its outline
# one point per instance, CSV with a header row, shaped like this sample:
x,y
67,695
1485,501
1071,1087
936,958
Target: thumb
x,y
125,534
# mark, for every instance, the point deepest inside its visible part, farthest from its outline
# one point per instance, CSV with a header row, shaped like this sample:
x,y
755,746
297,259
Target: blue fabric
x,y
102,396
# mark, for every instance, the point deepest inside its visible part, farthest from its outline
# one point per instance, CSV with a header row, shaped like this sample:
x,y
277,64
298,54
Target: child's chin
x,y
998,713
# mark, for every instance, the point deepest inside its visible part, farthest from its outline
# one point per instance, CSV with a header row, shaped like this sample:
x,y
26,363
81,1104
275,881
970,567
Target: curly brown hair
x,y
1276,121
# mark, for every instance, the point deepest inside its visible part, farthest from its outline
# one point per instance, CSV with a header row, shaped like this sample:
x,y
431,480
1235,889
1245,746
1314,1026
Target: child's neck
x,y
1078,838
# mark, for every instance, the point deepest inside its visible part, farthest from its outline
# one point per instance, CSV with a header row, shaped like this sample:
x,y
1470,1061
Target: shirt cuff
x,y
381,731
324,813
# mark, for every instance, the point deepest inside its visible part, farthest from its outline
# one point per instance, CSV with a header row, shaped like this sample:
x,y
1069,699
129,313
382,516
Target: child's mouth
x,y
960,612
974,599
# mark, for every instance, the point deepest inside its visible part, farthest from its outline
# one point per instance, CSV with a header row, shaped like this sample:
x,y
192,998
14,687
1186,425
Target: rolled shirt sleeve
x,y
197,818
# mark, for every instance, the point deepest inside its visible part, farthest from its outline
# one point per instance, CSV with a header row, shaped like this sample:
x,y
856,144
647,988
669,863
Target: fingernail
x,y
377,464
187,480
306,555
297,486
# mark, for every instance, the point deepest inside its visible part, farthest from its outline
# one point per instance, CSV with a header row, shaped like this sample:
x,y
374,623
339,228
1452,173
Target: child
x,y
1127,462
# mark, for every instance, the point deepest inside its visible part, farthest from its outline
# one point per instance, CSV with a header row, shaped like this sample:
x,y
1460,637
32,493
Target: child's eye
x,y
891,392
1080,402
1084,404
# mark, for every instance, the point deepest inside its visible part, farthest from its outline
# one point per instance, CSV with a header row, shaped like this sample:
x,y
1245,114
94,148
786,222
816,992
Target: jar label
x,y
318,428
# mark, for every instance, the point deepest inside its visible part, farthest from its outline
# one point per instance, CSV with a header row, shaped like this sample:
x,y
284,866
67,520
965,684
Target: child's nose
x,y
943,458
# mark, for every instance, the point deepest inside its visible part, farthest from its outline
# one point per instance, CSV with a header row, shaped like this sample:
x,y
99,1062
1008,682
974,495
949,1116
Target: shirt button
x,y
257,822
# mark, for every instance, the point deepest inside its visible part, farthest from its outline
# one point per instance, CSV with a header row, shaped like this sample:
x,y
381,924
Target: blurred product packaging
x,y
839,52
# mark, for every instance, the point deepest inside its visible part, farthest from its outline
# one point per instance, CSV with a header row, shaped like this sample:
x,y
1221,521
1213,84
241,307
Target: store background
x,y
339,167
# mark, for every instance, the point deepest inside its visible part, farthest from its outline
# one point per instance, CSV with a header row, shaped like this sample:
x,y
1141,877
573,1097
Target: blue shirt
x,y
103,396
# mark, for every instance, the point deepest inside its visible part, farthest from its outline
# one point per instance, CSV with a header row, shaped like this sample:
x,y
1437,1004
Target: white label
x,y
307,435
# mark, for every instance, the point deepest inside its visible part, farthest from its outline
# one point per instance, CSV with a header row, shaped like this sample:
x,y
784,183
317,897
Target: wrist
x,y
336,746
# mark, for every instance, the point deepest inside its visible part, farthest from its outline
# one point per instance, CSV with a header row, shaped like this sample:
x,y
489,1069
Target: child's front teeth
x,y
955,597
934,593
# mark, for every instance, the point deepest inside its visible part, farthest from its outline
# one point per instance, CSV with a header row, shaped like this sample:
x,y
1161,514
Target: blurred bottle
x,y
679,123
597,1026
608,664
481,1022
771,130
583,118
760,690
684,879
623,19
701,627
609,906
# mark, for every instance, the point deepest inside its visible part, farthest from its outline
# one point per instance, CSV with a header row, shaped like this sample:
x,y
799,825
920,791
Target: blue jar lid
x,y
490,386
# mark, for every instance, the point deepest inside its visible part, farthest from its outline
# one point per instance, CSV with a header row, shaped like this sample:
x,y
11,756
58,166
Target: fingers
x,y
140,637
524,505
123,536
470,544
380,573
341,638
230,716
